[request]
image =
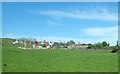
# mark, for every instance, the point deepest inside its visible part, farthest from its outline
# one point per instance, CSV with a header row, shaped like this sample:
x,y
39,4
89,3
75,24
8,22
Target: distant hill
x,y
7,42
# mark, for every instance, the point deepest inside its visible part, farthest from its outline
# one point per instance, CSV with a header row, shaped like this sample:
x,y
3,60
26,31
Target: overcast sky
x,y
85,22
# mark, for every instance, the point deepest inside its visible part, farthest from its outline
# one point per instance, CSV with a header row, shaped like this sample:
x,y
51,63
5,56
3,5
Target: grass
x,y
18,60
0,55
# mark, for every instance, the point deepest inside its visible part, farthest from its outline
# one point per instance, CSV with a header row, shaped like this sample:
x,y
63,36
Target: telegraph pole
x,y
41,37
84,41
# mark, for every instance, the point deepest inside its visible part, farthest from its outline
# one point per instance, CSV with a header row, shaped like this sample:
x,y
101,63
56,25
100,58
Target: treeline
x,y
104,46
99,45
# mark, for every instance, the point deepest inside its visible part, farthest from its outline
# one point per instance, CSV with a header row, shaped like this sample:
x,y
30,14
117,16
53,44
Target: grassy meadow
x,y
75,60
0,55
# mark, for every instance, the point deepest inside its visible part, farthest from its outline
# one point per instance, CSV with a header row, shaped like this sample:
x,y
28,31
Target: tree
x,y
23,42
56,44
108,44
89,46
104,44
117,43
97,45
44,41
62,44
27,42
71,42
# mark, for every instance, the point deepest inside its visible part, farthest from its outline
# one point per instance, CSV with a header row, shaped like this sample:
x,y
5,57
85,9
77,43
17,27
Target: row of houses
x,y
46,45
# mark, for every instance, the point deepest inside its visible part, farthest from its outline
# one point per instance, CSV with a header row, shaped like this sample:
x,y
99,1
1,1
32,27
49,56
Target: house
x,y
41,45
15,42
37,44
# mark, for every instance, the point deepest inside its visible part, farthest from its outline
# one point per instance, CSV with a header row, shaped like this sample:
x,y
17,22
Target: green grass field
x,y
18,60
0,59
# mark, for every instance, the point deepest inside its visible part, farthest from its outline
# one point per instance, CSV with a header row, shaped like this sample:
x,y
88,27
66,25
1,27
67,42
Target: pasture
x,y
75,60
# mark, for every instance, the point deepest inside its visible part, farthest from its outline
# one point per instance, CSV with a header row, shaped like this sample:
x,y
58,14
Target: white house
x,y
15,42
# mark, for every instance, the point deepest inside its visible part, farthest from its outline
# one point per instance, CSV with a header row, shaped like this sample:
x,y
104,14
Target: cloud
x,y
98,34
98,14
51,23
102,31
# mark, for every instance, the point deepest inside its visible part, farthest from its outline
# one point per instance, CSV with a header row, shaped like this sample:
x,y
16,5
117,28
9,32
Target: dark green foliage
x,y
99,45
71,42
114,50
89,47
104,44
43,45
96,46
108,44
56,45
62,44
117,43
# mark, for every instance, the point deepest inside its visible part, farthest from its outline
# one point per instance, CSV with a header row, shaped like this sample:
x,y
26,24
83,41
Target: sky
x,y
83,22
60,0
